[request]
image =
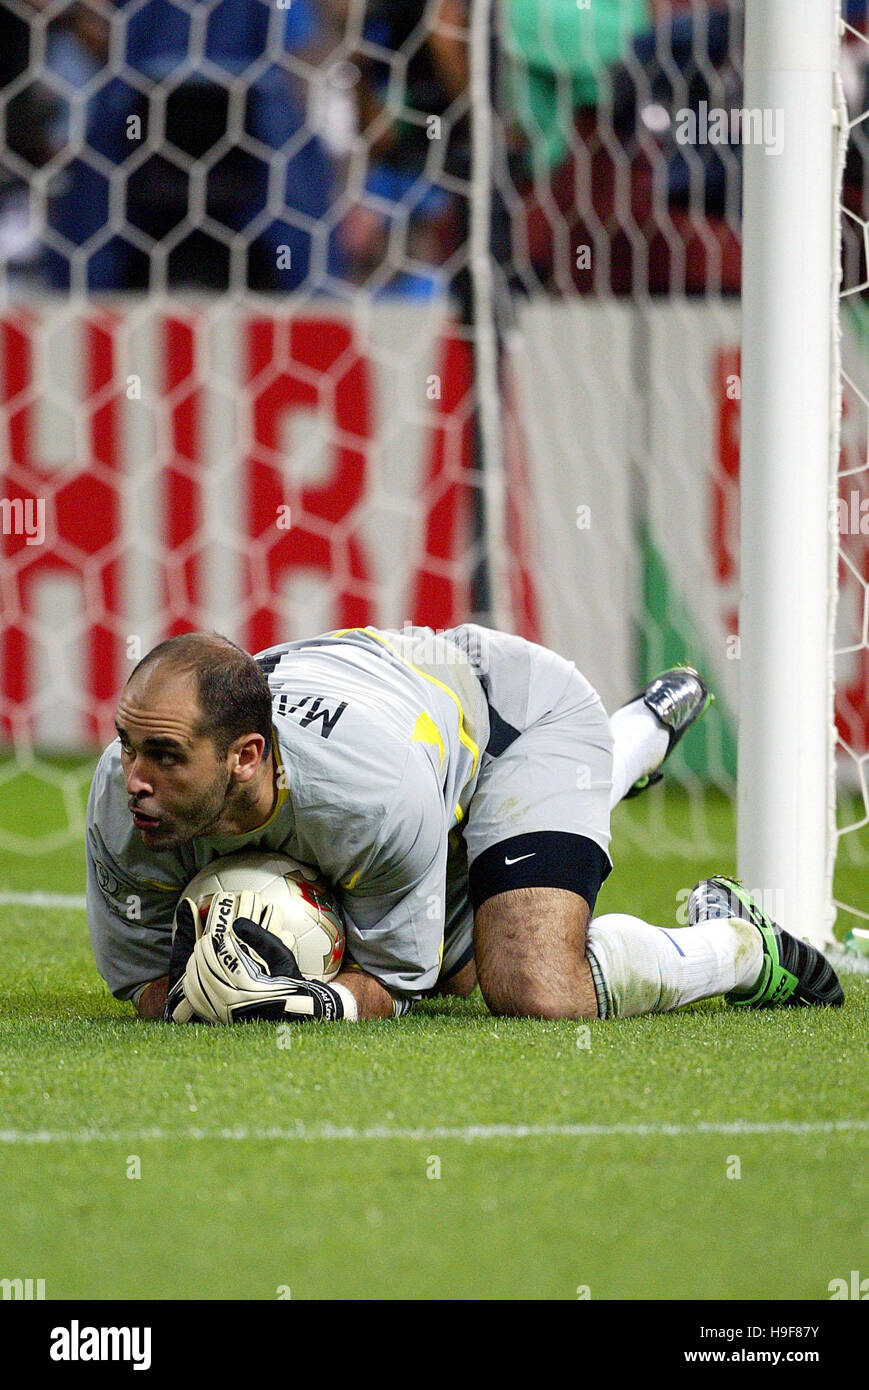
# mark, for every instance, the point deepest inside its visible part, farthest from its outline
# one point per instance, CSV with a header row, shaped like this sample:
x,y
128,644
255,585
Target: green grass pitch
x,y
447,1155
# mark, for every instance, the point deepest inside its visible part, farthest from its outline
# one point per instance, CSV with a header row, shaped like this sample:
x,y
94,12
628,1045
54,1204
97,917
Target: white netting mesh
x,y
850,514
241,347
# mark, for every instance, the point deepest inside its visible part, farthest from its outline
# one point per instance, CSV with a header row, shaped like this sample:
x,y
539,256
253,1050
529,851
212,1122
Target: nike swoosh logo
x,y
520,856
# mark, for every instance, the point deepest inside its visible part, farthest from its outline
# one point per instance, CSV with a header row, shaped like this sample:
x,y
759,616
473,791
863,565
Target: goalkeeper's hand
x,y
190,925
236,969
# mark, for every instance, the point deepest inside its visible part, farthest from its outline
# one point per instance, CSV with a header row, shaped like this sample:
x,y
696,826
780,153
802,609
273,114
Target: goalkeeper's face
x,y
178,784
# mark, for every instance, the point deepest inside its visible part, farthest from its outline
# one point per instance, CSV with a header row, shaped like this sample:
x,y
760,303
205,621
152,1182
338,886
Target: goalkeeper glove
x,y
237,969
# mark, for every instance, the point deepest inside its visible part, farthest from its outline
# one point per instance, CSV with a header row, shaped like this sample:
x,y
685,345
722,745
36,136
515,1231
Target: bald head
x,y
195,728
231,694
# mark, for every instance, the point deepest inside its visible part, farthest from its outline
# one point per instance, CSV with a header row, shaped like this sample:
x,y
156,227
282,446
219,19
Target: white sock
x,y
646,969
348,998
640,744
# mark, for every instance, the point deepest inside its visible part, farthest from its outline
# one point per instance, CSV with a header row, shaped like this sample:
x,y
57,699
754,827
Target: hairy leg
x,y
461,983
372,999
529,947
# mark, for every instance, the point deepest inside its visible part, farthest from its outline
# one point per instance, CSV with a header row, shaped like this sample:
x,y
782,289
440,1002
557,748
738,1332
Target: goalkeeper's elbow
x,y
151,998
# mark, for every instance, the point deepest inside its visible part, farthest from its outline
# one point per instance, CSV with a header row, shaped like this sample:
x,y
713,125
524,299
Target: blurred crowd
x,y
327,143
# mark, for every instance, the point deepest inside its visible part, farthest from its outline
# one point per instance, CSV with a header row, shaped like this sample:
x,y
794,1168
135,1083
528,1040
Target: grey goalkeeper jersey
x,y
378,738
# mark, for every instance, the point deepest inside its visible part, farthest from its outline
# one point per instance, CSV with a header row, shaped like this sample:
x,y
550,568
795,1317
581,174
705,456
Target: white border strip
x,y
58,900
463,1133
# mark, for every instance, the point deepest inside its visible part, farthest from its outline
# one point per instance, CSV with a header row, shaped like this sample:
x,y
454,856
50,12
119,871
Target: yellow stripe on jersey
x,y
425,730
283,790
464,736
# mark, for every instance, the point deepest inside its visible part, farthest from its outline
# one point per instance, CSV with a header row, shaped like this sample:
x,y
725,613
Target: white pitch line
x,y
59,900
464,1133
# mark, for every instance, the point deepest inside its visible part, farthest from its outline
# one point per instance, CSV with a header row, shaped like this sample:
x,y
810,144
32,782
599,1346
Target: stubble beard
x,y
198,821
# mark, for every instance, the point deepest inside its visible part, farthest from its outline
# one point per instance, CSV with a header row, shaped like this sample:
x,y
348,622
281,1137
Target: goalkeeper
x,y
456,791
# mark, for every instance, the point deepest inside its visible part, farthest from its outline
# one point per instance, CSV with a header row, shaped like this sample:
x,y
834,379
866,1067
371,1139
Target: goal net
x,y
321,313
850,501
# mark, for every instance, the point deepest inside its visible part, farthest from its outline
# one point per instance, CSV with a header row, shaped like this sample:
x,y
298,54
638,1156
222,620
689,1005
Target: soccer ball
x,y
309,922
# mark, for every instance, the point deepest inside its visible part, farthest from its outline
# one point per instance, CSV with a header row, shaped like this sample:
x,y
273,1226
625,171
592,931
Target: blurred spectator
x,y
29,108
855,192
560,60
412,110
593,92
13,45
192,64
615,182
29,114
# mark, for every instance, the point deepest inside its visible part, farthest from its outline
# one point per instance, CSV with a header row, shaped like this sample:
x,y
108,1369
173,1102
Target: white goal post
x,y
789,451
